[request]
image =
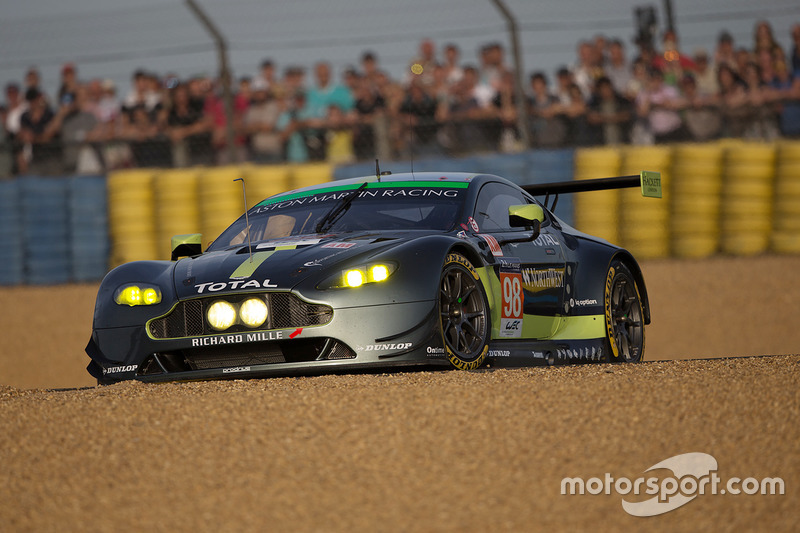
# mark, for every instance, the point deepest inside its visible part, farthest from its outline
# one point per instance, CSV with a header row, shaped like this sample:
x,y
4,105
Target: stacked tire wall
x,y
730,197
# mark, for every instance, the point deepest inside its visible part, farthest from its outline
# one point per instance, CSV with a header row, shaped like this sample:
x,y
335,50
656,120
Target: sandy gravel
x,y
415,451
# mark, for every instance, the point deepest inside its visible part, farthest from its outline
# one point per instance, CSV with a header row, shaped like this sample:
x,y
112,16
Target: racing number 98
x,y
512,297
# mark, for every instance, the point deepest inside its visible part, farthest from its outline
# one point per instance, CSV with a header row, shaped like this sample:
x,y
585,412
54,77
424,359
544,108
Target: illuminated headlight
x,y
360,275
221,315
137,294
253,312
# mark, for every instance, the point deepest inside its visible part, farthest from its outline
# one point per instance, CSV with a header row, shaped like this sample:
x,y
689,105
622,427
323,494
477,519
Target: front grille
x,y
286,311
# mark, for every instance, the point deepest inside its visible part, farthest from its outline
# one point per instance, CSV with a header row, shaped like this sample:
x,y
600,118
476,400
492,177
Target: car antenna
x,y
246,218
411,133
377,170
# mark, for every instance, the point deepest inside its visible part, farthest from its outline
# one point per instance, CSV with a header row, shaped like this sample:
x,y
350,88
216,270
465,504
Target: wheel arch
x,y
627,259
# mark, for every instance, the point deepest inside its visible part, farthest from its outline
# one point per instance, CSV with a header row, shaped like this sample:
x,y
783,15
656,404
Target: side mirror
x,y
523,216
187,245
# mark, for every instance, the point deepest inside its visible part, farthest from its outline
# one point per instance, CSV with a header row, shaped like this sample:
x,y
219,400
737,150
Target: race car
x,y
427,269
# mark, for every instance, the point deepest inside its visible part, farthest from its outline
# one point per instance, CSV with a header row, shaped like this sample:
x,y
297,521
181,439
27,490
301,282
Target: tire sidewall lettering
x,y
609,320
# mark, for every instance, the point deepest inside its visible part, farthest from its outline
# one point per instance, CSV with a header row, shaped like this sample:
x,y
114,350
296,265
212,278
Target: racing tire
x,y
464,313
624,316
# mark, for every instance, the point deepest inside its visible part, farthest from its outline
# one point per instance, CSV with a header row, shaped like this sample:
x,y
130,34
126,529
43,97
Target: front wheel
x,y
464,313
624,315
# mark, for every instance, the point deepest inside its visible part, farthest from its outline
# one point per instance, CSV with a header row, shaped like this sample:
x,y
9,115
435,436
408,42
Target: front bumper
x,y
386,335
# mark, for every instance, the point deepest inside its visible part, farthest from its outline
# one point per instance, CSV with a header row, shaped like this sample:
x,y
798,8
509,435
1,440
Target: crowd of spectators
x,y
442,106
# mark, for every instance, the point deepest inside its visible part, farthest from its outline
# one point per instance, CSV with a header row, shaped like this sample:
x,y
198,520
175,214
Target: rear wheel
x,y
624,316
464,313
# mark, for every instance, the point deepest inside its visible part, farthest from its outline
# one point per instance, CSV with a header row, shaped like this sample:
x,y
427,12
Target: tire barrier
x,y
12,254
88,227
175,193
45,230
747,191
132,216
786,217
221,200
597,212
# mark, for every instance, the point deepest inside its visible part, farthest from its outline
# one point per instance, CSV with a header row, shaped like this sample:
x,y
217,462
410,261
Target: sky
x,y
112,38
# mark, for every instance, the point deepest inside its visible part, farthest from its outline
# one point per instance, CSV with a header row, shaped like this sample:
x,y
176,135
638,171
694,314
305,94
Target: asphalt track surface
x,y
412,451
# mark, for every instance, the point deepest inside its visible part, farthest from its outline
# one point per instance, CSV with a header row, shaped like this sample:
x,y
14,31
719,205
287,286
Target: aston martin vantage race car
x,y
461,270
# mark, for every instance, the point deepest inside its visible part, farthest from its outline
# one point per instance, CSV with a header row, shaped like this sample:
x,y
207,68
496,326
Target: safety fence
x,y
729,197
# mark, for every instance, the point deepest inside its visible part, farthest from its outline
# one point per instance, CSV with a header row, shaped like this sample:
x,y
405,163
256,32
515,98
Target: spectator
x,y
189,130
762,121
78,131
564,79
69,84
40,129
787,87
418,114
15,107
505,104
763,38
148,146
294,80
547,126
492,69
370,125
452,69
743,58
421,67
260,123
463,114
267,78
339,137
796,49
616,67
320,98
725,54
33,81
657,104
733,100
609,114
369,66
705,76
587,70
292,125
671,62
575,116
141,93
700,111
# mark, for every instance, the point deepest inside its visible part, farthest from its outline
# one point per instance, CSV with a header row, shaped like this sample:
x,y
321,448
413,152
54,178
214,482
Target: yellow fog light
x,y
253,312
354,278
379,272
221,315
130,295
150,296
138,294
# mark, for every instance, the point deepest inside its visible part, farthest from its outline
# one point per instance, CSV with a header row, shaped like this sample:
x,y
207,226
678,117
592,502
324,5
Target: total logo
x,y
236,284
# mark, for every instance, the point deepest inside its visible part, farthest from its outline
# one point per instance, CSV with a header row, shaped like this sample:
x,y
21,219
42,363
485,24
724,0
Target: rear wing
x,y
649,181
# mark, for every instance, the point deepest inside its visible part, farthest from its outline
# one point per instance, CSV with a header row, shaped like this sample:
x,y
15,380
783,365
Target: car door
x,y
532,274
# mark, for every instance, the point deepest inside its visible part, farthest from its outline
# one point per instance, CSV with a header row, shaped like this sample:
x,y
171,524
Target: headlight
x,y
221,315
360,275
253,312
137,294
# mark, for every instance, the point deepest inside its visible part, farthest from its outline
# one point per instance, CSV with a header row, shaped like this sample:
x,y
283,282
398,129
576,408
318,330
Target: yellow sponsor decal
x,y
609,324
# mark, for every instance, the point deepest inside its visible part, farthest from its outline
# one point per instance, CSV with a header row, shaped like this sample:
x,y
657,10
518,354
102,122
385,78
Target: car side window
x,y
491,209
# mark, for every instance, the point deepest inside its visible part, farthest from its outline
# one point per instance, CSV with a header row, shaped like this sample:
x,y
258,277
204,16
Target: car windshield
x,y
380,206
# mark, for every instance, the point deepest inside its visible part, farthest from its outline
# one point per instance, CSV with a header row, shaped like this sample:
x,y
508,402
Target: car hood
x,y
278,264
